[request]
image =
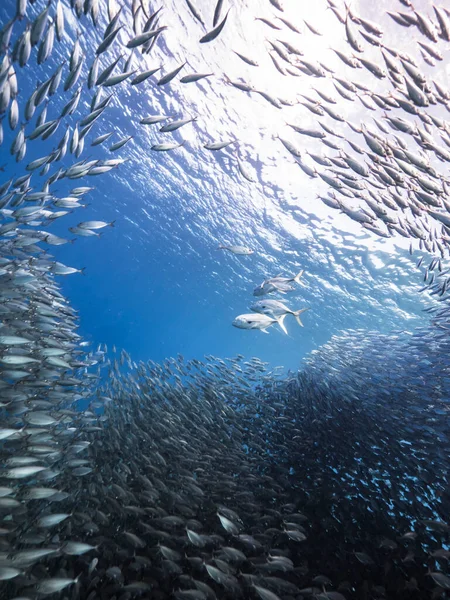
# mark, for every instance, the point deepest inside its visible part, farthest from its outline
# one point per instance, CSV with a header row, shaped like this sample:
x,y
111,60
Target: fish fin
x,y
281,323
264,331
297,277
297,314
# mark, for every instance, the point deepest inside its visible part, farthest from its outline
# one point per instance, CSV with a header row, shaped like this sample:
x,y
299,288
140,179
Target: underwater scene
x,y
224,299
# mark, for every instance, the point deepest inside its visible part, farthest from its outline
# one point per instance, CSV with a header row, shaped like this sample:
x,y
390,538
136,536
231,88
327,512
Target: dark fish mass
x,y
222,478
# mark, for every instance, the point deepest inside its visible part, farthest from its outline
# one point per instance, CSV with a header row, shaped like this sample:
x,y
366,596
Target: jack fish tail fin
x,y
297,314
280,321
296,279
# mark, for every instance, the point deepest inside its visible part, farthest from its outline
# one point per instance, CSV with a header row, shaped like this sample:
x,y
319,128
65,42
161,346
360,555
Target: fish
x,y
214,33
277,284
108,40
115,79
95,224
101,138
268,23
153,119
174,125
276,308
277,4
144,76
217,12
195,77
217,145
258,321
168,77
120,143
239,250
145,37
77,548
195,12
7,573
243,170
54,585
248,61
60,269
166,146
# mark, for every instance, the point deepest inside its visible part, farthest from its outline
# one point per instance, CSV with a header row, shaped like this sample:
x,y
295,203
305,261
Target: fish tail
x,y
296,279
297,314
280,321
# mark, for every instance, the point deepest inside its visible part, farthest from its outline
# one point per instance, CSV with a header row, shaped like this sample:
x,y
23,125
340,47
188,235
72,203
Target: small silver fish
x,y
238,250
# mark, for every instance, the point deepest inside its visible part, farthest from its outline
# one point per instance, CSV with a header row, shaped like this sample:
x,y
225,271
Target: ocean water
x,y
156,284
184,451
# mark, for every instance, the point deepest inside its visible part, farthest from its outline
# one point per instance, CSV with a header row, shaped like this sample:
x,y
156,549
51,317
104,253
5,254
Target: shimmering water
x,y
156,283
136,459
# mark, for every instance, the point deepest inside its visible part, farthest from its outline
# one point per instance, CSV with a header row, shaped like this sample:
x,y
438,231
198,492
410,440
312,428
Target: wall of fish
x,y
221,479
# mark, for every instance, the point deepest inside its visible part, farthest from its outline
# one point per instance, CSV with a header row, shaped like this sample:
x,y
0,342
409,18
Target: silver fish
x,y
258,321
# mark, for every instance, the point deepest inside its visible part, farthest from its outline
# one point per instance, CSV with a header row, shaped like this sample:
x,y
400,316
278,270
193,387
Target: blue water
x,y
156,284
357,439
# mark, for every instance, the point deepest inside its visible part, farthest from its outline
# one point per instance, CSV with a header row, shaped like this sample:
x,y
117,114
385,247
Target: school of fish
x,y
198,480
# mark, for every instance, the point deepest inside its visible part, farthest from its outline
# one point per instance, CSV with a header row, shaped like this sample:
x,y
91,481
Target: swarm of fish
x,y
220,479
315,485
